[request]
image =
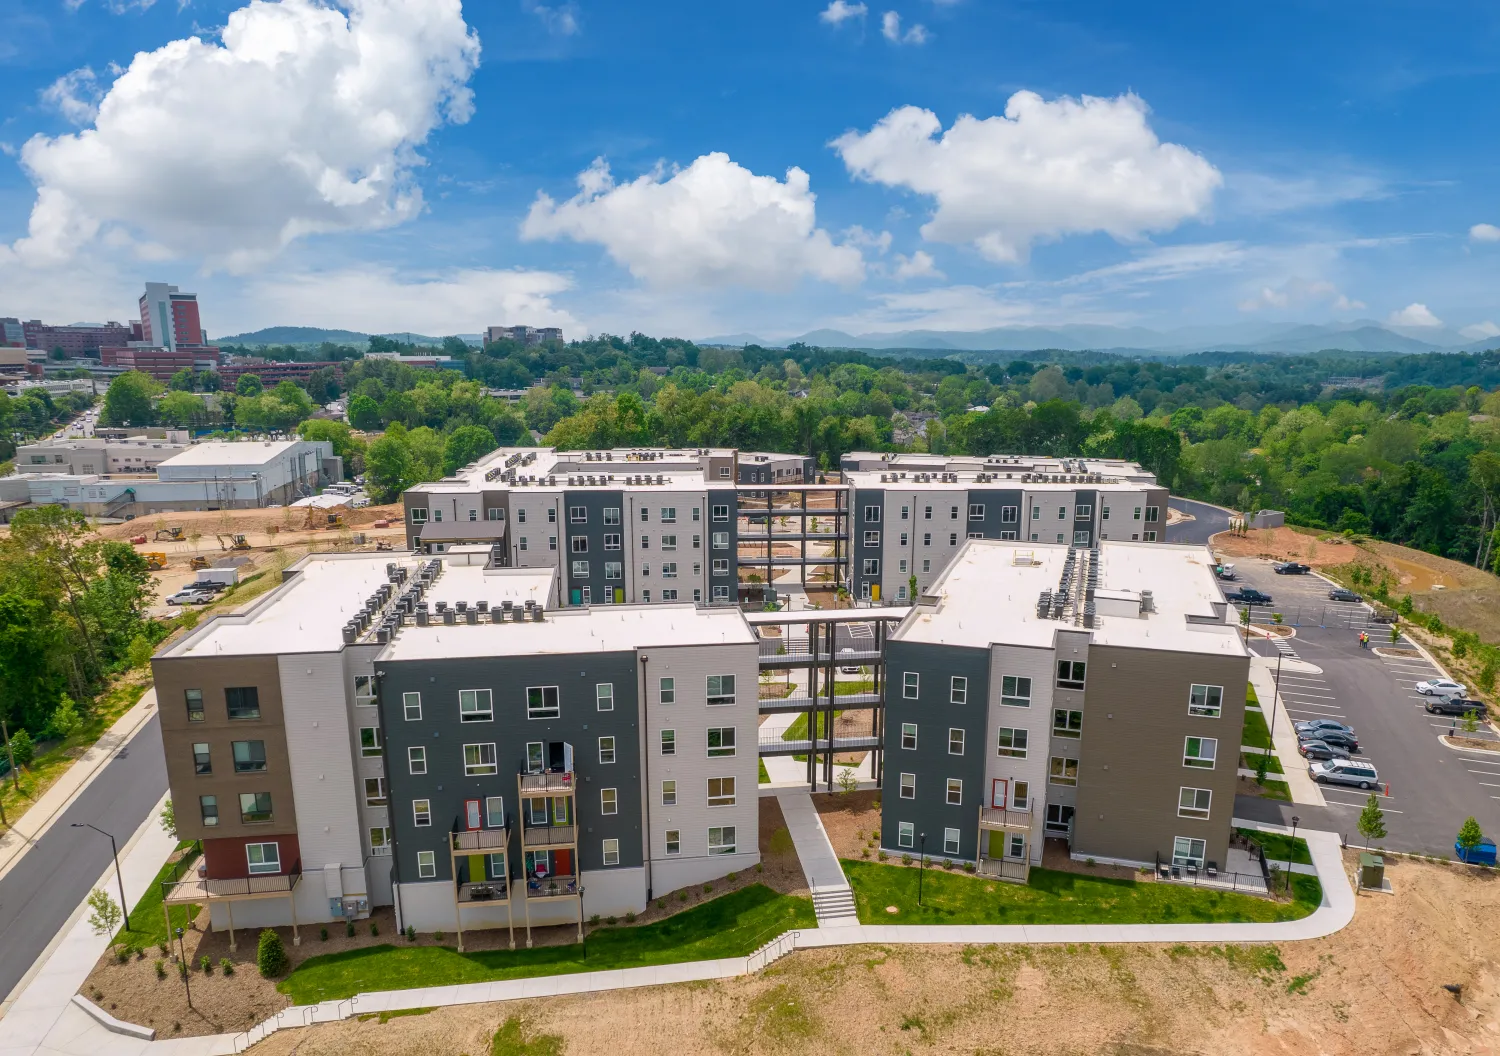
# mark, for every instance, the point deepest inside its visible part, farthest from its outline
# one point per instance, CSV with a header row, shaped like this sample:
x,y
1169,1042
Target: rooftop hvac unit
x,y
1148,601
441,606
461,606
449,617
482,606
536,614
1043,604
351,633
471,616
507,605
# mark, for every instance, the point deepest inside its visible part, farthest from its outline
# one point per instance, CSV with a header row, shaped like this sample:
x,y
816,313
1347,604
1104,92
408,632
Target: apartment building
x,y
428,733
1091,695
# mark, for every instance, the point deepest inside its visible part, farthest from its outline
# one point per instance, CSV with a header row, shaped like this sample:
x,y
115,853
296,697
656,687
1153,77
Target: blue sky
x,y
378,164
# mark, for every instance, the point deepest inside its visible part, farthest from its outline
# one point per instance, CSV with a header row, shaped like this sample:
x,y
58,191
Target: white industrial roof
x,y
232,453
988,595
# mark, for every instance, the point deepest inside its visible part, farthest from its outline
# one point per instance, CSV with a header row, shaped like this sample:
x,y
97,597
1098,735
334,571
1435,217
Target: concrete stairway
x,y
834,907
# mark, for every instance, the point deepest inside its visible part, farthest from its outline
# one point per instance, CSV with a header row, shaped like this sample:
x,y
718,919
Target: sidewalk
x,y
832,898
29,827
1284,734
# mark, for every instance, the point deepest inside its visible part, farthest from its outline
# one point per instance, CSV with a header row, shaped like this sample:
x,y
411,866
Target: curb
x,y
111,1024
1443,737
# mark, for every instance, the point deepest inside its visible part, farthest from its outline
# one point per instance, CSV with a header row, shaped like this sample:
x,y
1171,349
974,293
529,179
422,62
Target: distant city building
x,y
77,340
12,334
160,362
169,318
420,362
525,335
271,372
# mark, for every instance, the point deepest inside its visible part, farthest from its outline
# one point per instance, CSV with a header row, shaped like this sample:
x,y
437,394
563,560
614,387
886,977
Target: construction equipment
x,y
197,563
325,517
155,561
233,542
382,544
174,533
137,540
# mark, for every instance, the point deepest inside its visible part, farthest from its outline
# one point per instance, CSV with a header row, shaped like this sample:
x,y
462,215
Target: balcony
x,y
199,890
481,840
1000,818
484,891
552,887
549,783
549,836
1015,870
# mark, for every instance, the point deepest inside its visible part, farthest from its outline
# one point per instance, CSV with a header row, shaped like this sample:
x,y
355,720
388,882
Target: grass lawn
x,y
1251,700
1247,762
797,731
765,778
1278,790
1257,734
1055,898
731,926
147,927
1278,845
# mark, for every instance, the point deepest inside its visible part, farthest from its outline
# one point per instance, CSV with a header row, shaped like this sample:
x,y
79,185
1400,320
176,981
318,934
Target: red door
x,y
562,862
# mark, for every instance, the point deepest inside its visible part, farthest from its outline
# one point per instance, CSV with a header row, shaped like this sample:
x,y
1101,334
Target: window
x,y
927,513
668,742
955,792
1187,851
976,511
667,694
926,538
473,515
903,538
1200,752
721,791
1062,512
1015,691
426,865
523,544
909,736
1193,803
669,570
955,741
611,515
902,569
370,744
697,591
1082,513
202,761
908,786
697,541
953,513
536,811
674,841
416,759
494,812
263,858
243,702
952,538
578,515
1081,538
1150,537
720,513
609,801
646,571
696,517
870,566
418,515
542,702
669,515
721,593
494,513
909,682
669,793
604,696
364,691
437,515
612,541
1020,795
613,570
721,540
520,516
872,514
646,597
580,570
1104,513
1016,847
421,813
193,698
208,810
1067,723
950,841
552,542
1137,513
1151,513
958,690
255,807
1207,701
1036,513
720,741
249,757
906,834
1011,742
926,564
611,852
578,544
606,750
533,757
479,760
411,705
669,542
721,566
1070,674
720,689
872,538
721,840
1010,514
1062,771
476,705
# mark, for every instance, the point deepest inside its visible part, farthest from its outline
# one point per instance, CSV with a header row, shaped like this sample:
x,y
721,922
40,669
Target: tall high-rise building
x,y
170,318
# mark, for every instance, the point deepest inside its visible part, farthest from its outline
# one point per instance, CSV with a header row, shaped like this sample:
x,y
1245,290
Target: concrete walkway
x,y
1283,734
832,898
29,827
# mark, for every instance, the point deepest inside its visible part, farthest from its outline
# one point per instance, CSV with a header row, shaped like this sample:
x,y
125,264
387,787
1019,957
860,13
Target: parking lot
x,y
1428,789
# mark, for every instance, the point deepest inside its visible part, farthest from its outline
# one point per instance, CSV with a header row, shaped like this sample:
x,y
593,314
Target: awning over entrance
x,y
462,532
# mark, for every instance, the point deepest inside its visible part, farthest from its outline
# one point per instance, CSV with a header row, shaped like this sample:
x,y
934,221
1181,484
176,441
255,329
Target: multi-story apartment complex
x,y
1090,694
526,335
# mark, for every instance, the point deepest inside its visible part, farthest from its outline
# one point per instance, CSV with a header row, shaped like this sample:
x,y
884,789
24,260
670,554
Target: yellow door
x,y
874,591
476,868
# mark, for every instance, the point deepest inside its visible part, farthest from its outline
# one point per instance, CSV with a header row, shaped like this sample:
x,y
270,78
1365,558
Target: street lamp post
x,y
114,850
583,935
1291,852
921,864
182,960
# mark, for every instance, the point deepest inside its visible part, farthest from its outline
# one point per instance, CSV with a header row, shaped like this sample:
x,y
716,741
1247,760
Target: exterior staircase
x,y
835,907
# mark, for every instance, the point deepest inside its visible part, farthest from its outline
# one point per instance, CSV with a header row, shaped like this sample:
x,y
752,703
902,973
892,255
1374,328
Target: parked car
x,y
1344,772
1337,738
1441,687
191,596
1343,594
1248,596
1321,750
1455,705
1316,725
848,667
360,503
1483,854
1290,568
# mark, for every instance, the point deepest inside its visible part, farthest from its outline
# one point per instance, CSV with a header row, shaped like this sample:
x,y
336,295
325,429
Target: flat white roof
x,y
989,596
232,453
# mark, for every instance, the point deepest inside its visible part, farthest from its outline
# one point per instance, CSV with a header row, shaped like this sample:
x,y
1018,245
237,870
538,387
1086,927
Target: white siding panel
x,y
316,696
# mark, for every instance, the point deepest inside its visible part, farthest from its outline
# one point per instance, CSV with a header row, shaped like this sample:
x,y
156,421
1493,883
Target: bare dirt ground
x,y
133,991
1374,989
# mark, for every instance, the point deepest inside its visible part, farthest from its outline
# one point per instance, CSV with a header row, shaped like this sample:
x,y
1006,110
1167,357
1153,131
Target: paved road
x,y
1207,520
1431,787
51,879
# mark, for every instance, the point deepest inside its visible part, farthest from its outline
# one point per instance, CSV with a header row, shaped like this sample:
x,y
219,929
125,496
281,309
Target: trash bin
x,y
1371,871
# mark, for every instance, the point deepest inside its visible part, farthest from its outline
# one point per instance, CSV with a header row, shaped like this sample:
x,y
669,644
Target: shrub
x,y
122,953
630,918
161,969
226,966
411,933
374,928
661,903
906,859
349,929
759,868
270,955
594,920
163,949
708,888
182,969
682,896
865,853
437,936
947,864
323,934
968,867
883,856
731,877
1090,862
611,919
207,965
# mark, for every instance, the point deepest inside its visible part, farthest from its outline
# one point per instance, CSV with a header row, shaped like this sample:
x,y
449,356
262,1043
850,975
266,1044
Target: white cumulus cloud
x,y
1485,233
561,20
1043,170
890,28
1296,292
75,95
1414,315
919,265
839,12
714,223
304,119
1478,331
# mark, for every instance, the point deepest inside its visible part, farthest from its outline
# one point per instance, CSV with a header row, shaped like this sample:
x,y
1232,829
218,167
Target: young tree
x,y
168,818
105,920
22,748
1470,722
65,719
270,955
1469,835
1372,820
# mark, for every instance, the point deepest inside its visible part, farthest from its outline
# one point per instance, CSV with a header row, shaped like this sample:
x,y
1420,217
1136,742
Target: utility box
x,y
1371,871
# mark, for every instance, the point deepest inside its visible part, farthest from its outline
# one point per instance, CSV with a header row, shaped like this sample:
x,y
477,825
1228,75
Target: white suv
x,y
1344,772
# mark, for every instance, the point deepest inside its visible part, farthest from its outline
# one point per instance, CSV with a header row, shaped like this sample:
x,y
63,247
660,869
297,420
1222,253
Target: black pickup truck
x,y
1247,596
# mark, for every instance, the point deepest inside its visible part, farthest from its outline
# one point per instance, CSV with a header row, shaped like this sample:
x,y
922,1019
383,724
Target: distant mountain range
x,y
314,335
1361,336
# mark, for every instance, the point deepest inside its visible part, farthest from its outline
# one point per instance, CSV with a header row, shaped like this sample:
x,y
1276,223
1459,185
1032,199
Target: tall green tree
x,y
249,385
128,401
466,444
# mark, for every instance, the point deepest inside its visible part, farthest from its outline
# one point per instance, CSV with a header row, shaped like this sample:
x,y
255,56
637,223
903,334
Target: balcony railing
x,y
484,891
481,840
1015,869
549,835
551,887
200,889
1001,818
549,783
